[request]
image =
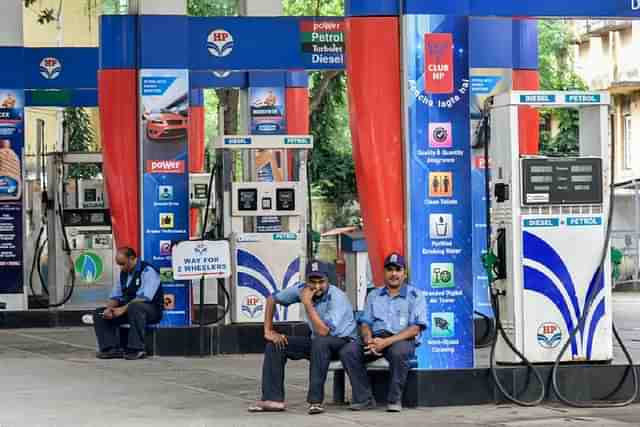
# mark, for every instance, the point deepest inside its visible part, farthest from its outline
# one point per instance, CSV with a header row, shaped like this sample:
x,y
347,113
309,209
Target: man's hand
x,y
118,311
306,296
377,345
108,313
279,340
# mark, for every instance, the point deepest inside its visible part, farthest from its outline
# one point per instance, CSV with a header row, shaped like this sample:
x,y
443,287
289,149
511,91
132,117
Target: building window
x,y
627,138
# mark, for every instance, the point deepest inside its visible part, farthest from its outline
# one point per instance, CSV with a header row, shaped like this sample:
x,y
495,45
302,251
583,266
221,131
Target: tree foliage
x,y
332,167
80,137
557,73
332,171
212,7
313,7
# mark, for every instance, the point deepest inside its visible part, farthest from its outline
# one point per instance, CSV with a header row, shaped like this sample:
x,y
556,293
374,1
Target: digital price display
x,y
247,199
561,181
285,199
86,217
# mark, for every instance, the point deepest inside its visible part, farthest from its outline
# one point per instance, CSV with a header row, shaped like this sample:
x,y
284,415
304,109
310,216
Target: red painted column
x,y
117,99
197,144
529,130
297,113
376,127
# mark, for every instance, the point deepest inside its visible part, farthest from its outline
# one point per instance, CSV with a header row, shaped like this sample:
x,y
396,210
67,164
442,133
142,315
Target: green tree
x,y
332,171
212,7
80,137
47,14
556,73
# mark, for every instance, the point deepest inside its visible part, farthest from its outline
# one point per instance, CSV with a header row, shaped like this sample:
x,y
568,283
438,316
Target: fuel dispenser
x,y
550,229
87,222
201,187
548,222
72,254
265,221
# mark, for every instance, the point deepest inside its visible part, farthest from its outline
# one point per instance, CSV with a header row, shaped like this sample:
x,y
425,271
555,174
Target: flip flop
x,y
267,406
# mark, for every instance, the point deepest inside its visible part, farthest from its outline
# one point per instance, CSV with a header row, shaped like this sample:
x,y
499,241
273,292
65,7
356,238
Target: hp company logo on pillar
x,y
220,43
50,68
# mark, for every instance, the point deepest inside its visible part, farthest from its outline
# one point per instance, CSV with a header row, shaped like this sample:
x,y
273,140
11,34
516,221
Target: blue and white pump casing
x,y
552,214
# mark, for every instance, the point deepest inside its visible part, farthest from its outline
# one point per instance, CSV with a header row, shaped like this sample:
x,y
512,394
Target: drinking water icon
x,y
440,226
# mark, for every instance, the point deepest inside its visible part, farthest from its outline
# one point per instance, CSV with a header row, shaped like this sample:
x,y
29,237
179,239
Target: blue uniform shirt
x,y
333,307
149,284
395,314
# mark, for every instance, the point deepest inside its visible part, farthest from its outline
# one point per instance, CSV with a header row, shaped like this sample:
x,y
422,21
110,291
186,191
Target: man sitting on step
x,y
137,299
391,325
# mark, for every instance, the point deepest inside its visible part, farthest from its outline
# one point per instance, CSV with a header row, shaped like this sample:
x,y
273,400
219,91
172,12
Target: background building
x,y
607,57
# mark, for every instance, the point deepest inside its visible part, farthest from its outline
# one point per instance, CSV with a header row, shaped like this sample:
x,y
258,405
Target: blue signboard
x,y
218,79
438,153
165,185
11,190
510,8
61,68
278,43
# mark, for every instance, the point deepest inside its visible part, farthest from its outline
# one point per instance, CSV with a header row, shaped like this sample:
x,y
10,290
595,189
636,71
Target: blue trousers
x,y
319,351
398,355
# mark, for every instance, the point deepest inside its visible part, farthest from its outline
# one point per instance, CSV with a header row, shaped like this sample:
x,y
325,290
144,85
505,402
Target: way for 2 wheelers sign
x,y
201,258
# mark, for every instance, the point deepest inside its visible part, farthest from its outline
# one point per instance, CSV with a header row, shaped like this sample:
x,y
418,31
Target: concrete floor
x,y
49,377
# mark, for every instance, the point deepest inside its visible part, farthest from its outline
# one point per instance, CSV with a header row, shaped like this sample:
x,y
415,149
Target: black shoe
x,y
368,404
113,353
135,355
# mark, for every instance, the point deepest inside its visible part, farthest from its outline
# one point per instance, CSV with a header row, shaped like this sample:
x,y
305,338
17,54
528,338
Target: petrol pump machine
x,y
265,220
549,225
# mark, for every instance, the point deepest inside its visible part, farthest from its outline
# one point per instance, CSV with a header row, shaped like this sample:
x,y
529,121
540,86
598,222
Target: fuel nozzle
x,y
489,261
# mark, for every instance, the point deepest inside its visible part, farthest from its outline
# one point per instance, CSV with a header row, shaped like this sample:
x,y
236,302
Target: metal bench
x,y
339,384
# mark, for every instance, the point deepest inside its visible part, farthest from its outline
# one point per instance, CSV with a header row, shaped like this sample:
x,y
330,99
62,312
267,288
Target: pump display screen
x,y
561,181
86,217
200,191
285,199
90,195
542,179
247,199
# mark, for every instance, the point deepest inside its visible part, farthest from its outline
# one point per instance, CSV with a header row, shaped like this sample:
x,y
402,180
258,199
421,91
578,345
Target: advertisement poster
x,y
436,79
165,184
11,188
267,110
485,82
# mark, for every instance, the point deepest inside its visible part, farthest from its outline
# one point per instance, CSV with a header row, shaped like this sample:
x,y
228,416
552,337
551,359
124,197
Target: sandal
x,y
315,408
267,406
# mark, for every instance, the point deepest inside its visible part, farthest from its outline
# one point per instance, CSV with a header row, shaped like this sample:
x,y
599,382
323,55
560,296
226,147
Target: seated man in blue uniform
x,y
137,299
329,314
391,325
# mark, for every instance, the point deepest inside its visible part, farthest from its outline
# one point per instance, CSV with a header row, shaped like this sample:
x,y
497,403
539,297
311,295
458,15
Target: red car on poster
x,y
166,125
